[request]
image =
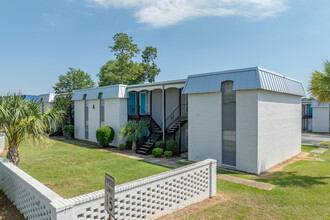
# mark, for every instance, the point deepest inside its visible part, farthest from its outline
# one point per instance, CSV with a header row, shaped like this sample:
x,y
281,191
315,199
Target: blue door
x,y
132,103
143,103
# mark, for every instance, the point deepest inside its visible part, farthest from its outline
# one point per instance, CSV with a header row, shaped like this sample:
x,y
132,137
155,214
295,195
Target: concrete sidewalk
x,y
246,182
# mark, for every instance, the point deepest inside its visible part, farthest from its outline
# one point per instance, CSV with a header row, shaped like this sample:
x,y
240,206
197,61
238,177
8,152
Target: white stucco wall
x,y
320,119
115,116
93,119
246,130
279,128
79,119
204,122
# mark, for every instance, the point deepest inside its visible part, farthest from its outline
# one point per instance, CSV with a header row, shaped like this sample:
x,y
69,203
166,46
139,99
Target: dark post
x,y
138,104
150,104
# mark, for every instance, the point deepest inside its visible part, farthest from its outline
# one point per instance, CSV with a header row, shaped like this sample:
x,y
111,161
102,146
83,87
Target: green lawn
x,y
302,192
71,170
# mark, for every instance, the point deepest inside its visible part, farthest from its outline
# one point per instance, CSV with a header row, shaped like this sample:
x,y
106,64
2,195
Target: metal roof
x,y
244,79
49,97
109,92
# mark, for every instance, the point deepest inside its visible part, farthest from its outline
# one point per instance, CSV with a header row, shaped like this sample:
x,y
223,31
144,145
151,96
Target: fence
x,y
2,142
146,198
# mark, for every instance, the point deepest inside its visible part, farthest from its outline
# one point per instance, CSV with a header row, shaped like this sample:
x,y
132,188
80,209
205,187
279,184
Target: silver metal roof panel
x,y
244,79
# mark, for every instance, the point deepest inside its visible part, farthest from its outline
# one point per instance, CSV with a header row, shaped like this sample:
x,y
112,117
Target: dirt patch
x,y
7,210
192,209
4,152
302,156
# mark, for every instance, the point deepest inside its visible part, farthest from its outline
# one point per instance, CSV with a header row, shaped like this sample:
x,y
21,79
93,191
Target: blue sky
x,y
39,40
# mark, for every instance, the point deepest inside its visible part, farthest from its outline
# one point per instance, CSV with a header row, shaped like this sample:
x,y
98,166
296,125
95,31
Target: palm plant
x,y
133,131
320,84
20,119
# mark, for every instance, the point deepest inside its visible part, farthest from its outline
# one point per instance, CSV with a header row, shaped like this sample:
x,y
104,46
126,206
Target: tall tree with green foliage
x,y
150,69
124,69
319,86
21,119
124,49
73,79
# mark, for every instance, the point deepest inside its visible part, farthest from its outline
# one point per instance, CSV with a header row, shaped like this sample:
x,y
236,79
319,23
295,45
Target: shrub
x,y
121,147
161,144
105,135
141,140
168,154
157,152
128,145
173,146
68,131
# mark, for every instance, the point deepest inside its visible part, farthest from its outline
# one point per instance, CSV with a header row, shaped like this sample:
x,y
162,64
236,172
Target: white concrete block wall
x,y
279,128
79,119
154,196
115,116
320,119
247,130
147,198
204,121
93,119
33,199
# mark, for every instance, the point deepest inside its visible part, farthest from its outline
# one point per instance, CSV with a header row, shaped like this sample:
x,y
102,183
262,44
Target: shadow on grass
x,y
143,161
288,179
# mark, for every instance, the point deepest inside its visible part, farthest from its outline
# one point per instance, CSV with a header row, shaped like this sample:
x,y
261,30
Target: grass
x,y
71,170
325,143
302,192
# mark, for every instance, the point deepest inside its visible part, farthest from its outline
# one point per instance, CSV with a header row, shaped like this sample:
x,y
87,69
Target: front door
x,y
132,103
228,124
143,103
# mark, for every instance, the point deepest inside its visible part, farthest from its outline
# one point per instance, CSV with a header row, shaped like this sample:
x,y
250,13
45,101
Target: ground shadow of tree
x,y
287,179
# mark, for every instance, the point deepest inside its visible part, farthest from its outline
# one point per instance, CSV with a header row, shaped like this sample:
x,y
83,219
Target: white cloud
x,y
159,13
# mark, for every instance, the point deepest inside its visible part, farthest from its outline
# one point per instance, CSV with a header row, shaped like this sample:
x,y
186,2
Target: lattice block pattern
x,y
146,198
30,197
153,196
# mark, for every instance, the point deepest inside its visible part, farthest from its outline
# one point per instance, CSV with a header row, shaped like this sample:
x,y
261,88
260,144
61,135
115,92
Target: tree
x,y
124,49
133,131
110,75
123,69
73,80
150,69
20,119
319,86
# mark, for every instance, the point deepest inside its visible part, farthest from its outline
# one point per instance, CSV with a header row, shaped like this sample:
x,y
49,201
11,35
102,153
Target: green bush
x,y
173,146
168,154
68,131
128,145
161,144
121,147
105,135
157,152
141,140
